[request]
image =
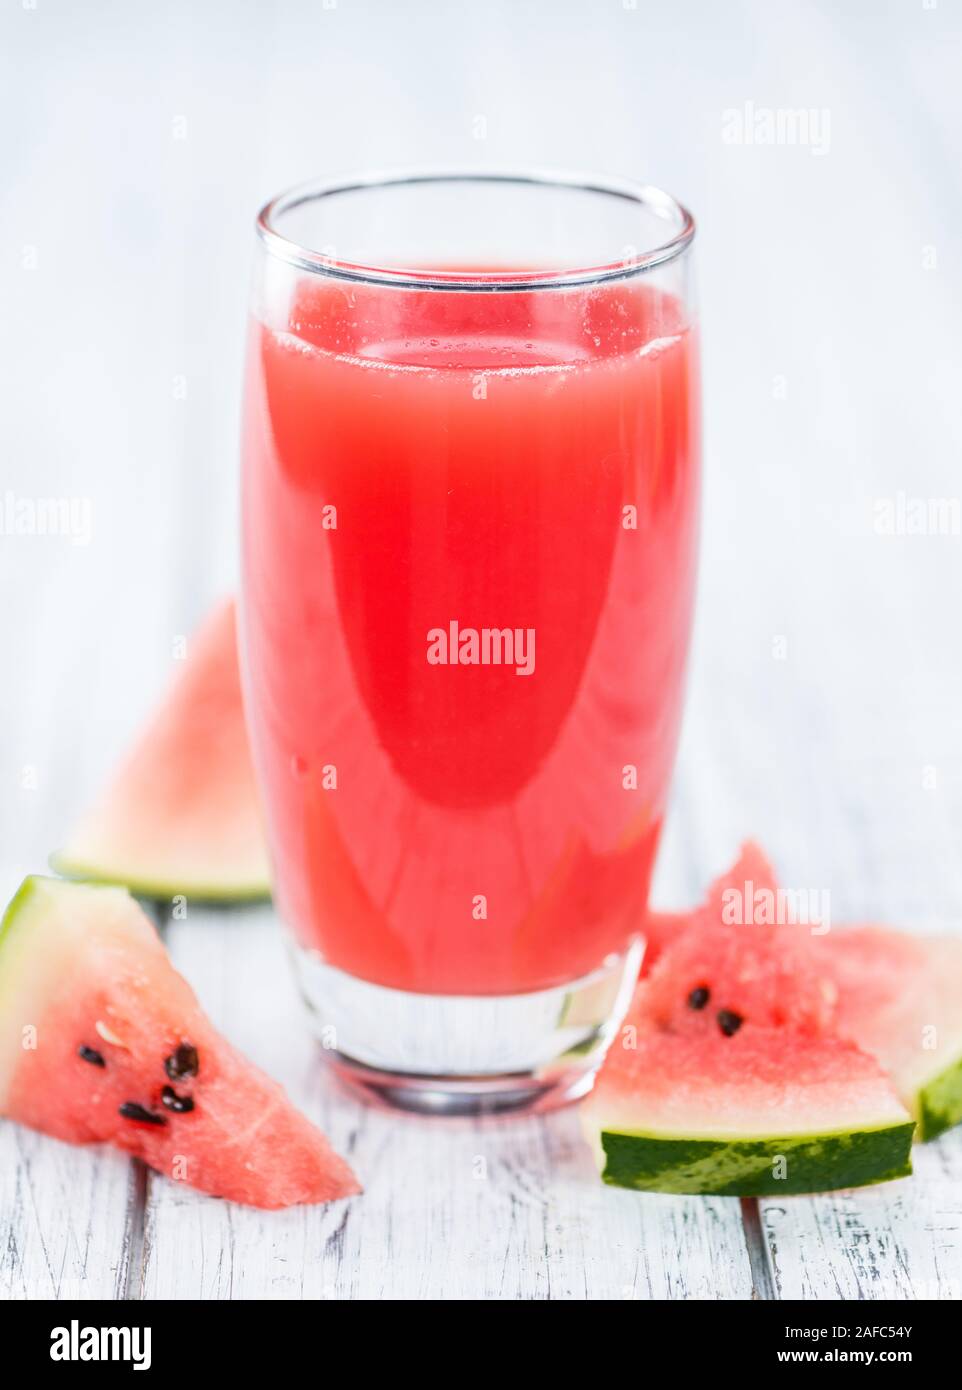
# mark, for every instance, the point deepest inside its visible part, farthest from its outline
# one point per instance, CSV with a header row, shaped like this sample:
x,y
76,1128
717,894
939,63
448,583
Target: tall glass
x,y
471,461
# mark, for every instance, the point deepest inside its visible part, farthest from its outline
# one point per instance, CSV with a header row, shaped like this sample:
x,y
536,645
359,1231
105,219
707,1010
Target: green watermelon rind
x,y
938,1104
743,1167
16,904
10,960
256,891
32,887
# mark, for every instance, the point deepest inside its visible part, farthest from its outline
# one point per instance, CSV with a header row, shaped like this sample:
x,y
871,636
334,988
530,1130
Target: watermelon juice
x,y
470,542
470,502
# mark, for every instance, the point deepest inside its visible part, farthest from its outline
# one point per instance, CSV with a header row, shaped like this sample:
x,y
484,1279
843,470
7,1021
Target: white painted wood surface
x,y
827,674
901,1240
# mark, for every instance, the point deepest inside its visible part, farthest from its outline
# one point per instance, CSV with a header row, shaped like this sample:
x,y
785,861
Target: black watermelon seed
x,y
91,1055
699,997
132,1111
181,1105
183,1061
729,1022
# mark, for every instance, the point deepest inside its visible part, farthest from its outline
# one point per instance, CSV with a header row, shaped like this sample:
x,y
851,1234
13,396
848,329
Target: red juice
x,y
469,553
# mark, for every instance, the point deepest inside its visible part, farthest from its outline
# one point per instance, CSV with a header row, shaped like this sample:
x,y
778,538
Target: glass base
x,y
467,1054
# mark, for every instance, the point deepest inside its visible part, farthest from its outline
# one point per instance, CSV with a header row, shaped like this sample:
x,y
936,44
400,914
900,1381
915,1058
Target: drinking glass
x,y
470,497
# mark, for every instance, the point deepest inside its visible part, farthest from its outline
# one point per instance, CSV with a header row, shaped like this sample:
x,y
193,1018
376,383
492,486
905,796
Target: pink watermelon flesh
x,y
102,1040
727,1077
662,928
181,814
766,969
665,927
749,972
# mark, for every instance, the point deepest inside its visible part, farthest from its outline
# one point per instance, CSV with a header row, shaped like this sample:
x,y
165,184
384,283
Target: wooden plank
x,y
899,1240
452,1209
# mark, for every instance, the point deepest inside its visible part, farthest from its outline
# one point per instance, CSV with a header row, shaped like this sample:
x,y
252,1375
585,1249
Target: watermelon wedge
x,y
102,1040
896,995
900,998
728,1078
763,1112
181,814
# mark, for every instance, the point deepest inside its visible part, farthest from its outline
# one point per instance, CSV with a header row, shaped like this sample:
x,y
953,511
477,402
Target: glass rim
x,y
645,195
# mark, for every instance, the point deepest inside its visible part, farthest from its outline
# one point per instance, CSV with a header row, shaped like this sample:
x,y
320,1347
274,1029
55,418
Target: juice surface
x,y
469,545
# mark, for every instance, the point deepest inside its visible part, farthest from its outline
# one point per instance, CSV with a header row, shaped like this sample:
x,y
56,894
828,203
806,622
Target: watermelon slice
x,y
102,1040
764,1112
727,1077
181,814
896,995
900,998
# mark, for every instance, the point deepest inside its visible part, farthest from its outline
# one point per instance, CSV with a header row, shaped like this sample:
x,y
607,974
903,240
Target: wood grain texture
x,y
64,1231
901,1240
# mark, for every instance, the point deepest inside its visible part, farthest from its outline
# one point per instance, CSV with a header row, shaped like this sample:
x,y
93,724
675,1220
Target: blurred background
x,y
819,146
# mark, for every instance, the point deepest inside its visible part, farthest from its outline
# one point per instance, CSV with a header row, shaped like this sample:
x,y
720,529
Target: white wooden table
x,y
826,695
